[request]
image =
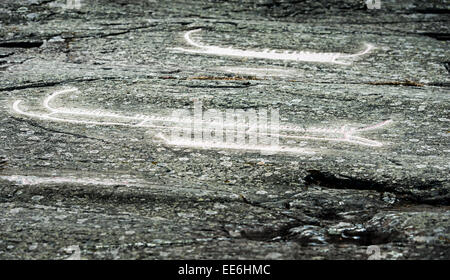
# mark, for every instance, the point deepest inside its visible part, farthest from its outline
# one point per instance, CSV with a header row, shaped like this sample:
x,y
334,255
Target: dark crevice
x,y
437,36
3,55
447,66
3,163
432,11
439,84
44,2
431,193
104,35
50,84
34,124
36,85
23,45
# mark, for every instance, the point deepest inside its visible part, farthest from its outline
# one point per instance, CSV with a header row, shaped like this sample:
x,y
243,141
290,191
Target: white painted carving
x,y
287,132
337,58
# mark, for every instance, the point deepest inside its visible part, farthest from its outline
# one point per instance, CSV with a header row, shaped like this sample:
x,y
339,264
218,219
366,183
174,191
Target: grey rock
x,y
73,186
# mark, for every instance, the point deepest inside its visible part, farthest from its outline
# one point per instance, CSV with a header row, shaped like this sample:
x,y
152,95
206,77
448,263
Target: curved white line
x,y
56,93
187,37
346,134
368,48
375,126
270,54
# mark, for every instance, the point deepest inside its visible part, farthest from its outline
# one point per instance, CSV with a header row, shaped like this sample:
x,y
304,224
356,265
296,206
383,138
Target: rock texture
x,y
117,192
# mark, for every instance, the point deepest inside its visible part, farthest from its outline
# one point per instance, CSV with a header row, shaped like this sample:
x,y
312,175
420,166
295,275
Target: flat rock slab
x,y
89,167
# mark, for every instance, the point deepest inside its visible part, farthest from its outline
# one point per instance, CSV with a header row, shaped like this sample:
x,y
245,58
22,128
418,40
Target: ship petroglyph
x,y
207,129
288,55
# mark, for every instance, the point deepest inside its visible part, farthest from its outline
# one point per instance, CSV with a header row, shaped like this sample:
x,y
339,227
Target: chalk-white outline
x,y
343,134
336,58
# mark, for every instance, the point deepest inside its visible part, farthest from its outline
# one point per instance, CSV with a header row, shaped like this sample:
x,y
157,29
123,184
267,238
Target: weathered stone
x,y
84,175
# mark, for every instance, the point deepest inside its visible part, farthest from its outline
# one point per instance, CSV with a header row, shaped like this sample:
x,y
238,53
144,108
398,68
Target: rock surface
x,y
367,179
